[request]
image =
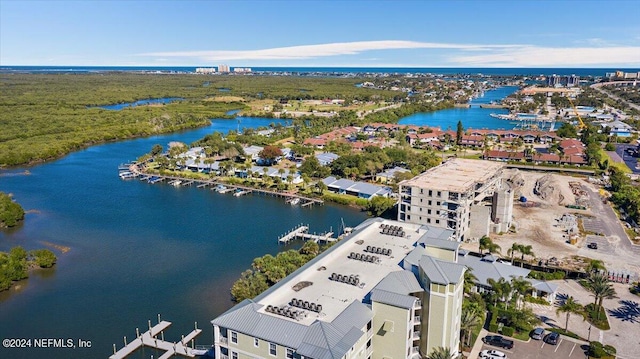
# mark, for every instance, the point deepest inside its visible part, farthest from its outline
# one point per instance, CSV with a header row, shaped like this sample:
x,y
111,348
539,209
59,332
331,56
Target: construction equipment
x,y
582,125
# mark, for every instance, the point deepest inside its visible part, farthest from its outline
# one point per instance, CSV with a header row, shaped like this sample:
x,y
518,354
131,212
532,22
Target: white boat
x,y
175,183
127,175
295,201
220,188
200,350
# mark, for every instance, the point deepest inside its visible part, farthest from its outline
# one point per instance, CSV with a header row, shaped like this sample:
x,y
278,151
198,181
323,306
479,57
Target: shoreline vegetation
x,y
16,264
46,116
11,213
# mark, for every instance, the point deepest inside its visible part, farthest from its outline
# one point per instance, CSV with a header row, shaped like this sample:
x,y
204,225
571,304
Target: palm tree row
x,y
524,250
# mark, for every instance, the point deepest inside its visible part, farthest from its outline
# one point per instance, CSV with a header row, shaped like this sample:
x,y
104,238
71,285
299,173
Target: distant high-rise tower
x,y
223,68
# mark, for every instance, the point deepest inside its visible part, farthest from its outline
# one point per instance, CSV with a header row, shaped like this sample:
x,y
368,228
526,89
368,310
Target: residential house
x,y
353,188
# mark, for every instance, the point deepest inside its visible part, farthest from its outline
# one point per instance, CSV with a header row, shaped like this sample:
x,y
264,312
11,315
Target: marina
x,y
238,191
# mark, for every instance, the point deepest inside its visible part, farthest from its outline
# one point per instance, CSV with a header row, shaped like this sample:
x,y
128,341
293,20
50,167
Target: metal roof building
x,y
356,300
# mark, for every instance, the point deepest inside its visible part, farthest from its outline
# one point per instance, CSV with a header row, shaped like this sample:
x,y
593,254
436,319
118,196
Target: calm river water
x,y
139,250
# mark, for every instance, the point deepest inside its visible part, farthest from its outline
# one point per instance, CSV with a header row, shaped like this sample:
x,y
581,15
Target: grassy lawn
x,y
600,320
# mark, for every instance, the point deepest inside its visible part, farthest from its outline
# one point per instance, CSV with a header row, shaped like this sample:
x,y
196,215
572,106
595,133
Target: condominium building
x,y
389,290
223,68
466,196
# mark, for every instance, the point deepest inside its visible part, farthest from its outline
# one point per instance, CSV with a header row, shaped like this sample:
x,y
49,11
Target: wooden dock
x,y
301,232
154,178
149,339
292,234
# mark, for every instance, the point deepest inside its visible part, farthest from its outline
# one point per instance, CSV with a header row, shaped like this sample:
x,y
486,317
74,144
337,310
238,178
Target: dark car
x,y
498,341
593,245
552,338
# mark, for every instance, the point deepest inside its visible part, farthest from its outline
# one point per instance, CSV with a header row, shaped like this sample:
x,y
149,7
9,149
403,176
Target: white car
x,y
493,354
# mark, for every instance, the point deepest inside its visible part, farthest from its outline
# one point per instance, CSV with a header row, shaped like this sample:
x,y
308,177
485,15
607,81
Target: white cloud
x,y
321,50
533,56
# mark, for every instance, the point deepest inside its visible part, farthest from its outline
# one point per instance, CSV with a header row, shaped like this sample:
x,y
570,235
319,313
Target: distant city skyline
x,y
321,33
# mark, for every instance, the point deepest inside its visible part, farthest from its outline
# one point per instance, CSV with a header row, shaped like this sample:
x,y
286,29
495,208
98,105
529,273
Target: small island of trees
x,y
14,266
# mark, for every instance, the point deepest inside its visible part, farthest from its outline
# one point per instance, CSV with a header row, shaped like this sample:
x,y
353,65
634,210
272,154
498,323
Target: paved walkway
x,y
477,346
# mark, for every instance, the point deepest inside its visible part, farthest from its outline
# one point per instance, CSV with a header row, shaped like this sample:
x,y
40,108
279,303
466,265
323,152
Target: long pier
x,y
153,178
149,339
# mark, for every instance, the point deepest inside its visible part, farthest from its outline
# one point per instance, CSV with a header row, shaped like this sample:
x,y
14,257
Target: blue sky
x,y
456,33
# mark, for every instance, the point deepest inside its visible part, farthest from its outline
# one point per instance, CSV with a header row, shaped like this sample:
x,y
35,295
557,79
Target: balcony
x,y
415,336
417,304
416,320
222,356
415,353
370,333
224,340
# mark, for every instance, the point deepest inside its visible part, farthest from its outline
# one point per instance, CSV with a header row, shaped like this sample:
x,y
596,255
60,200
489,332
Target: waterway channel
x,y
137,250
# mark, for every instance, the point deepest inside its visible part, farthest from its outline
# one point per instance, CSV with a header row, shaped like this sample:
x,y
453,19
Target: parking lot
x,y
538,349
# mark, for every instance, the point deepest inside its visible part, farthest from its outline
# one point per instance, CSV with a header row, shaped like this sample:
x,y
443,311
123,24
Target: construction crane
x,y
582,125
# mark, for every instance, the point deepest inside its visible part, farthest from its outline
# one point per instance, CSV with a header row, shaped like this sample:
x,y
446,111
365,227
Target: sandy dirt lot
x,y
539,222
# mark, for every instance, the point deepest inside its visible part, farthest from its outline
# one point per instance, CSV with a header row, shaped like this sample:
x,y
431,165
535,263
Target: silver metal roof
x,y
441,272
245,318
402,282
395,299
324,341
356,315
483,269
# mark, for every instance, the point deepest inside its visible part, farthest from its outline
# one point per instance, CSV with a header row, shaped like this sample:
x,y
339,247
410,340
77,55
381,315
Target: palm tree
x,y
469,320
526,250
521,287
440,353
487,243
501,290
469,281
514,248
598,284
595,265
570,306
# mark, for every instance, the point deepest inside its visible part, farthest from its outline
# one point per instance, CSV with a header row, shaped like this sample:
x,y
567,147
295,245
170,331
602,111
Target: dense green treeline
x,y
44,116
269,270
11,213
15,264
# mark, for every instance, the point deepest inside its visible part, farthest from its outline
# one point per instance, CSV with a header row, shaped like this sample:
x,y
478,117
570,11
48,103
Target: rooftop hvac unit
x,y
378,250
358,255
368,248
319,308
269,308
333,276
306,304
388,252
352,255
313,306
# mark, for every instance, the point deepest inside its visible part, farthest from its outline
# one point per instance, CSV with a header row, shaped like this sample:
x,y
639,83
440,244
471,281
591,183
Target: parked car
x,y
537,334
493,354
593,245
498,341
552,338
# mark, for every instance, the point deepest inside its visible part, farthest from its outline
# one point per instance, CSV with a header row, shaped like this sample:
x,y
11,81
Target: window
x,y
289,353
428,211
429,202
369,344
256,342
438,212
439,194
420,200
421,191
437,221
430,193
234,337
369,325
272,349
234,355
438,203
428,220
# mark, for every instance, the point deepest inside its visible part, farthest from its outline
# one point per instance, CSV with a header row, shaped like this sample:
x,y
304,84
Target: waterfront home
x,y
489,267
326,158
618,128
199,165
253,152
498,155
388,176
273,172
353,188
